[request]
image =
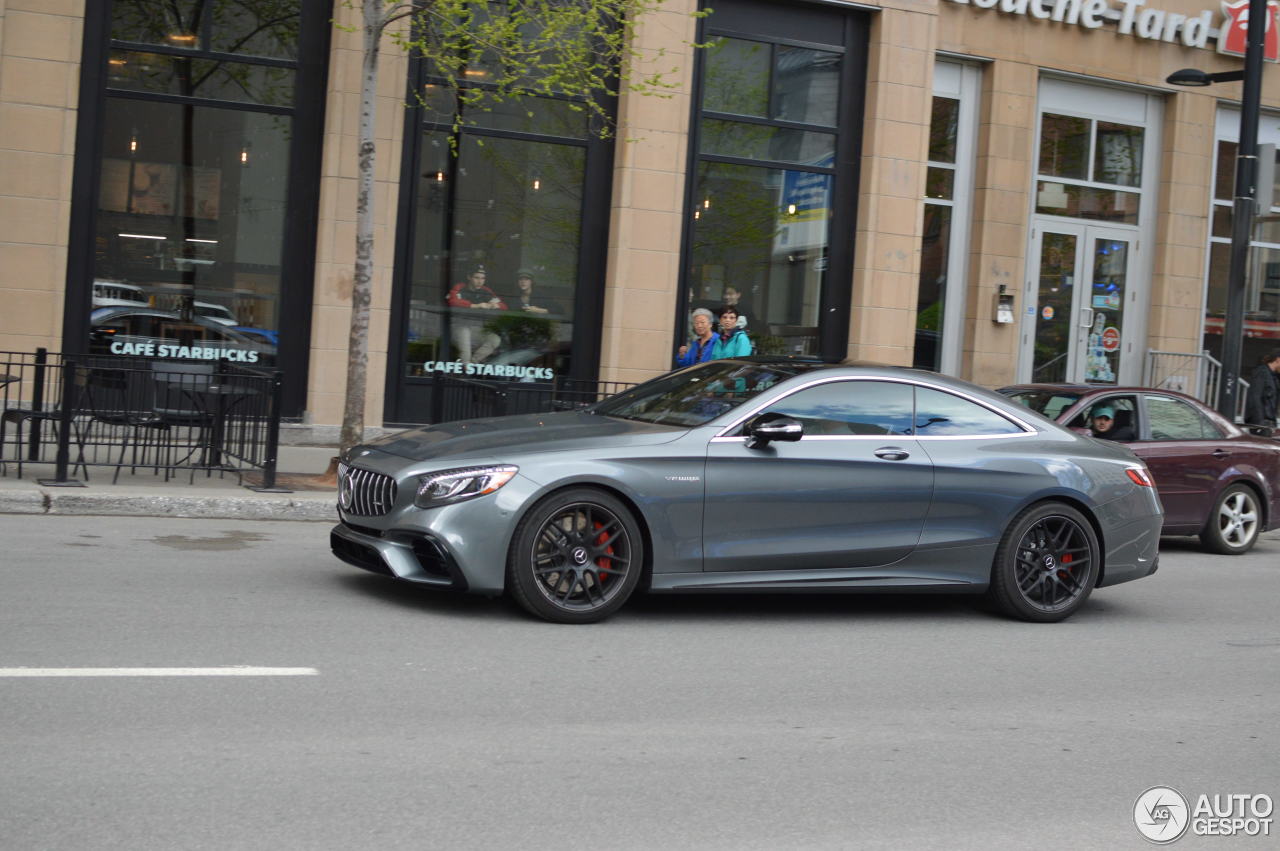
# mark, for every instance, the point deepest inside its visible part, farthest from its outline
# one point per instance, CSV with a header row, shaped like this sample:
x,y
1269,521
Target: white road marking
x,y
233,671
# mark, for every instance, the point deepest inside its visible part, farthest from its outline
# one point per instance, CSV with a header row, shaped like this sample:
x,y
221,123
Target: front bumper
x,y
402,555
462,546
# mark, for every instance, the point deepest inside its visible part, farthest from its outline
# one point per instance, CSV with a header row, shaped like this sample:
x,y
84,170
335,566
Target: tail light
x,y
1140,476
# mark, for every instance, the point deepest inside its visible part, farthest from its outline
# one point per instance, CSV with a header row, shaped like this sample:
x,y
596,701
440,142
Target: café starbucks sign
x,y
1134,18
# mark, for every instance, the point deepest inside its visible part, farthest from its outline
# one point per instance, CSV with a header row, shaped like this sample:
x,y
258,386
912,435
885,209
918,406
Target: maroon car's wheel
x,y
1046,564
1234,524
576,557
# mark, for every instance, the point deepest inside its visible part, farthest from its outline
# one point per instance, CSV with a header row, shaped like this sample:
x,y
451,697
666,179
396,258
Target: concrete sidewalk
x,y
145,494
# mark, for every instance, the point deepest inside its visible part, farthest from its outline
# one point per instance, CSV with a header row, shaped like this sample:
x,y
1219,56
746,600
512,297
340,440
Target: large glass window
x,y
935,245
496,257
763,188
948,184
1082,161
1262,286
193,186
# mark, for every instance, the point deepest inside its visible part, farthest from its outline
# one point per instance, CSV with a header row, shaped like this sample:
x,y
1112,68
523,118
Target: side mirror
x,y
1082,430
767,427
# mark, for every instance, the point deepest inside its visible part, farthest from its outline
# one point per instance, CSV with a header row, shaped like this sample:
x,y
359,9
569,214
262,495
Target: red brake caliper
x,y
1066,559
603,562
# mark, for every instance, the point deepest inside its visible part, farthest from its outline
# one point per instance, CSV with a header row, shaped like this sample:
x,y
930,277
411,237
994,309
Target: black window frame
x,y
588,296
298,250
836,298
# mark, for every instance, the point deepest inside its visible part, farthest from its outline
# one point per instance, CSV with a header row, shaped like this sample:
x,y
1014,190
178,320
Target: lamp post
x,y
1243,196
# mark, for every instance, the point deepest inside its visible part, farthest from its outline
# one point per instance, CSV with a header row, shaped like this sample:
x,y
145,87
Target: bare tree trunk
x,y
362,283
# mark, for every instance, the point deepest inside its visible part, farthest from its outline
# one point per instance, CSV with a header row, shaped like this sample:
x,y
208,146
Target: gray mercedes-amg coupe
x,y
755,474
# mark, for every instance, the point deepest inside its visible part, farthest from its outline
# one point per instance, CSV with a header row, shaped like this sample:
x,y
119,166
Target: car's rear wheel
x,y
1234,524
575,557
1046,565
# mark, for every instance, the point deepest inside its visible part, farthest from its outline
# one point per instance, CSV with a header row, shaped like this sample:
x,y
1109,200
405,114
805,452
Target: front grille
x,y
365,493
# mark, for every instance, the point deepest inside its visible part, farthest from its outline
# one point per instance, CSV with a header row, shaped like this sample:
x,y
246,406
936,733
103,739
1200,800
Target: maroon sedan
x,y
1215,480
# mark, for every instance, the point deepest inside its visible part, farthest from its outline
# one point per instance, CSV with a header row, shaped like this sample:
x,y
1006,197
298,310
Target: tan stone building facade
x,y
883,173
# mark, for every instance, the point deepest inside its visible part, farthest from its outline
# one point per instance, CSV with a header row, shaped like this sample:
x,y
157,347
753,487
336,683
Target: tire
x,y
576,557
1046,565
1233,525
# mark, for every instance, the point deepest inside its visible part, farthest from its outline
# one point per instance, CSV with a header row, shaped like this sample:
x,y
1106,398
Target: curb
x,y
42,501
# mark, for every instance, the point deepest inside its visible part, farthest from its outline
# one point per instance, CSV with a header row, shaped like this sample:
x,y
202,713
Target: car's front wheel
x,y
1233,525
1046,565
575,557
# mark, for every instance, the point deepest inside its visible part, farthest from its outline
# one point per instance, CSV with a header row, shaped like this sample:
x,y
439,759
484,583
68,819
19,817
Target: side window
x,y
939,413
849,408
1123,411
1173,419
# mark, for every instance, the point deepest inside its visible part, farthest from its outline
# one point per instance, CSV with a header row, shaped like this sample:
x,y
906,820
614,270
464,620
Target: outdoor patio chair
x,y
120,402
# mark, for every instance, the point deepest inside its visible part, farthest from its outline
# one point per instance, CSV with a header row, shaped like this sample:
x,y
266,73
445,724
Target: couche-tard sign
x,y
1132,17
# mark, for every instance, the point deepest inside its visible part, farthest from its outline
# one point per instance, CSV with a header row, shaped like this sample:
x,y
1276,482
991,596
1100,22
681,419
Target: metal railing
x,y
1197,374
115,412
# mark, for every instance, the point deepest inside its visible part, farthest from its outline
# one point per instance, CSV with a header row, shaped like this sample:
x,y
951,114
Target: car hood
x,y
524,433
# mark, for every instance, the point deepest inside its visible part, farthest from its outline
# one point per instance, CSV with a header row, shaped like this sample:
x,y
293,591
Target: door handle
x,y
1221,453
1086,317
892,453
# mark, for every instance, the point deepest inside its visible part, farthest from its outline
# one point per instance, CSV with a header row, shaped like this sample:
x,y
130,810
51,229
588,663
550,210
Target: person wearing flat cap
x,y
527,300
1102,422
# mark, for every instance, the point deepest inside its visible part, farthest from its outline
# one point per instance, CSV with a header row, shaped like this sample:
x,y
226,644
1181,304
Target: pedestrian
x,y
1264,391
732,341
698,349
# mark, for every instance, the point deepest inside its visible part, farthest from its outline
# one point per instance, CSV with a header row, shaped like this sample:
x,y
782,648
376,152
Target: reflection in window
x,y
1066,141
943,128
806,85
1262,280
1118,158
1173,419
762,142
191,211
737,77
1087,202
265,28
205,78
935,244
939,413
763,233
1064,146
847,408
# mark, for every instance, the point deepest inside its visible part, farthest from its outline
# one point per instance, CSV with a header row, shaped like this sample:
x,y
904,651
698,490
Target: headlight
x,y
449,486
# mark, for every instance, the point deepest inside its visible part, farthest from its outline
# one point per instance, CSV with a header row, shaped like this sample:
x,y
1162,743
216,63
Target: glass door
x,y
1101,327
1074,331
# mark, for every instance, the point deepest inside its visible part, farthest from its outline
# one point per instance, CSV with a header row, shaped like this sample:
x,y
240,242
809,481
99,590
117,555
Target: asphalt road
x,y
439,721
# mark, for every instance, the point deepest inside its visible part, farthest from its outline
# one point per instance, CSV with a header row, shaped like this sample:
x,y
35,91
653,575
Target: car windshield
x,y
1047,402
699,394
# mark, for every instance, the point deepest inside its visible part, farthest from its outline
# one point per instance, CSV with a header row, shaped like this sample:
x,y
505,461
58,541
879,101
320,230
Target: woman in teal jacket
x,y
732,341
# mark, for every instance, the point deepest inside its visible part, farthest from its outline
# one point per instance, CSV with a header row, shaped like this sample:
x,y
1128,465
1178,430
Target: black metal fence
x,y
82,411
467,398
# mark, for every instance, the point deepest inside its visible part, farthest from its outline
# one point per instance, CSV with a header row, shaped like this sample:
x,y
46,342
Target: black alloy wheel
x,y
1233,525
1046,564
576,557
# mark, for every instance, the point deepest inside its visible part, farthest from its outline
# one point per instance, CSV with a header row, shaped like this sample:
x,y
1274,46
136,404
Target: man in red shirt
x,y
468,326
